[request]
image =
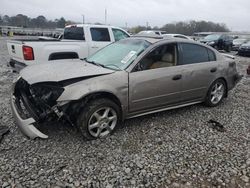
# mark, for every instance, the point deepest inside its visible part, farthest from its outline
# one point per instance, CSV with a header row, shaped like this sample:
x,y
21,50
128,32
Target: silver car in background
x,y
177,36
237,43
129,78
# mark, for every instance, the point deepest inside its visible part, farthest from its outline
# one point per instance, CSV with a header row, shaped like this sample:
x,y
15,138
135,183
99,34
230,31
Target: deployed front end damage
x,y
34,104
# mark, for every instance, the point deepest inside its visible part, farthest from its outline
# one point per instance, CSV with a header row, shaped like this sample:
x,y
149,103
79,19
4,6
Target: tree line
x,y
21,20
186,28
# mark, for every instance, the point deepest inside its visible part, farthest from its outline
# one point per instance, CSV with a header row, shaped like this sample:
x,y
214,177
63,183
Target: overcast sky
x,y
234,13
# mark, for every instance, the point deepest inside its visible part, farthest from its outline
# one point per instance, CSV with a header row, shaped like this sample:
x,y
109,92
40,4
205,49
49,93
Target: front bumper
x,y
16,65
25,125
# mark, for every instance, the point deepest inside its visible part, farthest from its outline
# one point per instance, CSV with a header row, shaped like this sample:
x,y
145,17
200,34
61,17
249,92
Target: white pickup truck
x,y
79,41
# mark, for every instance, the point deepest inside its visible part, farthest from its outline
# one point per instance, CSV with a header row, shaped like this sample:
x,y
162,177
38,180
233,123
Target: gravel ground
x,y
177,148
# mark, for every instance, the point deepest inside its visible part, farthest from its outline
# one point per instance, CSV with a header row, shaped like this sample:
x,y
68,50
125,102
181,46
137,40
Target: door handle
x,y
177,77
94,47
213,70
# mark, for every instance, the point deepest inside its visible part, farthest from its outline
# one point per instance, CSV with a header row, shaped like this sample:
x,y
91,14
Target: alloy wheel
x,y
217,93
102,122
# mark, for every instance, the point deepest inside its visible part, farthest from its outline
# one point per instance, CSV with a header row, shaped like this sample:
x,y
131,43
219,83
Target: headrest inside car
x,y
168,57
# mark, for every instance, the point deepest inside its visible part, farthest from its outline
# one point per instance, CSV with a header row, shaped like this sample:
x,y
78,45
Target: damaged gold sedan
x,y
129,78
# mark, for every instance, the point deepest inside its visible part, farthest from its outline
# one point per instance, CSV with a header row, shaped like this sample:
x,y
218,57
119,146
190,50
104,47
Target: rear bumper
x,y
25,125
232,82
237,78
16,65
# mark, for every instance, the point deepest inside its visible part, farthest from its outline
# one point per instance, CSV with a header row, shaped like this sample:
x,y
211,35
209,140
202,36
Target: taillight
x,y
28,53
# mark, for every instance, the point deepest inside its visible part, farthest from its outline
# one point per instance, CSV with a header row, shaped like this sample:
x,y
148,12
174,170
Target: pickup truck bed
x,y
79,42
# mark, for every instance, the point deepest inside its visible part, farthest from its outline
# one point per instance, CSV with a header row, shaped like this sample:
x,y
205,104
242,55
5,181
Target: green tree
x,y
41,21
61,23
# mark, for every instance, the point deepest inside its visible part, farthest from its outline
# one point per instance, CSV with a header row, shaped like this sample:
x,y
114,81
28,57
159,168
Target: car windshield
x,y
212,37
119,55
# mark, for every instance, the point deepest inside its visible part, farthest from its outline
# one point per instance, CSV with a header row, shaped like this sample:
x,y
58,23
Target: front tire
x,y
216,93
99,118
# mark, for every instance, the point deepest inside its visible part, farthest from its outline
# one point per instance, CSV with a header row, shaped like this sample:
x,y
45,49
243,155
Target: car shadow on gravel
x,y
59,130
161,115
63,130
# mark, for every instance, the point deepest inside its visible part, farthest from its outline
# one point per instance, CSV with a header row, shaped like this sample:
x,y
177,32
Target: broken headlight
x,y
46,93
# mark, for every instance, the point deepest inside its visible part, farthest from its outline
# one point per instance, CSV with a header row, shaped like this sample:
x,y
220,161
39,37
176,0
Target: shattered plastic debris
x,y
217,126
3,131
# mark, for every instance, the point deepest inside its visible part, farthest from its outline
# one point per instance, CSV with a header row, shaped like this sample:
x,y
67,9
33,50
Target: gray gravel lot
x,y
177,148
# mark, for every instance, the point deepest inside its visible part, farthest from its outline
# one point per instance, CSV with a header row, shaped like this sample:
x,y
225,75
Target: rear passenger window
x,y
100,34
73,33
192,53
211,55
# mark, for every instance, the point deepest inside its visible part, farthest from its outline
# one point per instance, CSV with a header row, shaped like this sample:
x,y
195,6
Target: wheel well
x,y
63,55
103,95
75,107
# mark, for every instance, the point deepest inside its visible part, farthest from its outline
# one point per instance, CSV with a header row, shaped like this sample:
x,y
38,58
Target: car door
x,y
199,67
70,33
155,87
223,42
100,37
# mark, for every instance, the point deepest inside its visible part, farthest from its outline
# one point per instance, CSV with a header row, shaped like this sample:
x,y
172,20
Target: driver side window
x,y
161,57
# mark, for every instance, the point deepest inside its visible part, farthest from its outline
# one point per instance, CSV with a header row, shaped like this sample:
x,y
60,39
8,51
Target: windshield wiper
x,y
94,63
101,65
109,65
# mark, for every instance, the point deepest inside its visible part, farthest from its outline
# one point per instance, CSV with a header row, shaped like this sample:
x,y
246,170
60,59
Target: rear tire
x,y
99,118
216,93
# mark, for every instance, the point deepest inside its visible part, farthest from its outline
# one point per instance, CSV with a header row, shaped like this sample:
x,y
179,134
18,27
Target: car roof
x,y
149,38
162,40
172,34
156,38
87,25
148,31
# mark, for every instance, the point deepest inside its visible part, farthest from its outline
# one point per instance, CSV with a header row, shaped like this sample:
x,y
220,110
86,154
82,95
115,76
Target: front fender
x,y
116,84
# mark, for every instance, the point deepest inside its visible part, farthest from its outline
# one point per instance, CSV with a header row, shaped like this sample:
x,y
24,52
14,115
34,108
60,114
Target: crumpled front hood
x,y
56,71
